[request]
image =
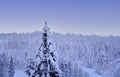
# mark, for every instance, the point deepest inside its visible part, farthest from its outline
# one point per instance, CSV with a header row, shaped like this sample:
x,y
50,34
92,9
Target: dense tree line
x,y
97,52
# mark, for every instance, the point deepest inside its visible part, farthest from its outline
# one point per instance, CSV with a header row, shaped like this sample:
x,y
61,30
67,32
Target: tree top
x,y
46,28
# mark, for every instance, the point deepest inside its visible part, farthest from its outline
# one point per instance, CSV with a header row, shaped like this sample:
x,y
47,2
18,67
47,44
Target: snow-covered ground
x,y
19,73
91,73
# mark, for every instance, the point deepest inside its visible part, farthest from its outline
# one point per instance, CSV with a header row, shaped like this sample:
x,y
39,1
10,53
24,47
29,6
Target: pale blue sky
x,y
101,17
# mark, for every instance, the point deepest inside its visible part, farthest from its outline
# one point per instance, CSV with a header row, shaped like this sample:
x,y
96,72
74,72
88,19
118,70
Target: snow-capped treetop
x,y
46,28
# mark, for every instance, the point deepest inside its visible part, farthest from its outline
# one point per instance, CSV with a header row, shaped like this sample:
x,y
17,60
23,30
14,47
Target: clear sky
x,y
101,17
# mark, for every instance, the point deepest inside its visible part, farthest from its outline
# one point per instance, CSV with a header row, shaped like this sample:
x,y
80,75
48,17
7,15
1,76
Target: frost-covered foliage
x,y
3,65
11,70
74,51
30,67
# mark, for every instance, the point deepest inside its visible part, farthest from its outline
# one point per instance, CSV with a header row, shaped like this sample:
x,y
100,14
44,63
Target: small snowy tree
x,y
11,68
62,68
30,66
116,65
70,67
1,66
76,70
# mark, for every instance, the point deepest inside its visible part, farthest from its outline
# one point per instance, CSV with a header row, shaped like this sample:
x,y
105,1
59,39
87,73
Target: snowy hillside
x,y
98,55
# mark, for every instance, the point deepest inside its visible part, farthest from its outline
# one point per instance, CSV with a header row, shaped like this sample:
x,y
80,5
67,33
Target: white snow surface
x,y
20,73
91,73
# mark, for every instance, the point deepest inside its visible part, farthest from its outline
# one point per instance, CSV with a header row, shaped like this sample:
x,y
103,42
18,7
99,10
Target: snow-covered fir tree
x,y
46,62
11,70
116,65
3,65
30,66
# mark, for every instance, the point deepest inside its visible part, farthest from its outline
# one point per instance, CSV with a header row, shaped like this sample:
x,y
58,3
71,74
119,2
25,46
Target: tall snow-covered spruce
x,y
46,63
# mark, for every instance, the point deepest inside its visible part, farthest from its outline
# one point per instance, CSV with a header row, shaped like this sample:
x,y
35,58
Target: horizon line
x,y
65,33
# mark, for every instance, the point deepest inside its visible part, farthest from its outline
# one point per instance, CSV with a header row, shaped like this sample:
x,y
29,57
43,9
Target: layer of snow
x,y
19,73
91,72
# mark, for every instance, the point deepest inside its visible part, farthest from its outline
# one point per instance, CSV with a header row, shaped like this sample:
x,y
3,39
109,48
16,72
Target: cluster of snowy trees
x,y
3,65
97,52
6,66
71,69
